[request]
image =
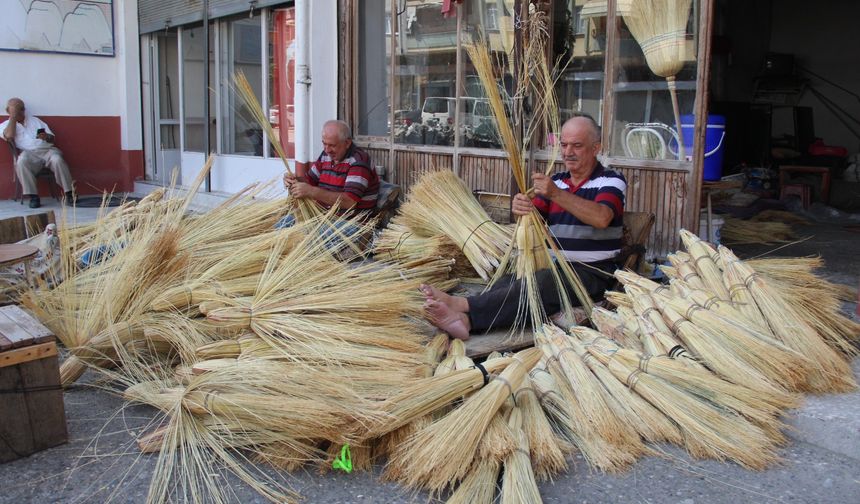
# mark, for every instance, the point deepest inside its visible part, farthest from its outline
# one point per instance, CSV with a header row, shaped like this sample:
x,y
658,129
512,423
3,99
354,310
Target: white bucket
x,y
716,226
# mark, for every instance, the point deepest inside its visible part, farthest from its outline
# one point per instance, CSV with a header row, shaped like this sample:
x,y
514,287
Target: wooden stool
x,y
803,191
32,415
785,173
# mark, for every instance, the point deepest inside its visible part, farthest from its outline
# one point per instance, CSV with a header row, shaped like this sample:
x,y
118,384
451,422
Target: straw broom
x,y
830,372
651,424
441,454
708,270
441,204
739,231
544,450
709,387
560,403
660,28
531,231
518,480
756,362
479,485
816,300
708,431
743,300
615,327
426,396
593,399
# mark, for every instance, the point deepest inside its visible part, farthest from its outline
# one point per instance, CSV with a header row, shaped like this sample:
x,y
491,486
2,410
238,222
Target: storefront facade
x,y
412,95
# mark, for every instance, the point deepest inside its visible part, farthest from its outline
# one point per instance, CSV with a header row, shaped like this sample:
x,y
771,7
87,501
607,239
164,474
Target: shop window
x,y
476,122
374,56
282,68
193,87
644,124
241,51
579,88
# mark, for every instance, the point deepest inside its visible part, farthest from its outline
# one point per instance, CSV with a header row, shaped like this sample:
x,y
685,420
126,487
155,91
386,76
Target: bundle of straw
x,y
308,208
830,372
533,248
518,480
708,430
442,453
441,204
739,232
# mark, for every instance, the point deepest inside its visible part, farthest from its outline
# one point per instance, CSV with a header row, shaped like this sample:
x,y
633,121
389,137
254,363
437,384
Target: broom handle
x,y
670,82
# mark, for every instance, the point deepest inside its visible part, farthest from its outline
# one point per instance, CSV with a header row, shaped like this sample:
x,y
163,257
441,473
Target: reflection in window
x,y
241,51
477,124
282,67
193,87
580,86
374,49
426,76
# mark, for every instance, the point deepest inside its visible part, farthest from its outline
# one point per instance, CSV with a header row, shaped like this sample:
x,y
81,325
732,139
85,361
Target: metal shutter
x,y
155,15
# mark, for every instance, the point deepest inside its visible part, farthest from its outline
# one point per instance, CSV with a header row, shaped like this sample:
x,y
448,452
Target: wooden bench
x,y
32,415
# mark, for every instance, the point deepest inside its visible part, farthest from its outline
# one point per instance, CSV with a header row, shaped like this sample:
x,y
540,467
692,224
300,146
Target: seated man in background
x,y
35,140
583,207
340,177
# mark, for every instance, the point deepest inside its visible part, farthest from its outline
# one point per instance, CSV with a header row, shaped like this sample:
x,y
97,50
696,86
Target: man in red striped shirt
x,y
341,177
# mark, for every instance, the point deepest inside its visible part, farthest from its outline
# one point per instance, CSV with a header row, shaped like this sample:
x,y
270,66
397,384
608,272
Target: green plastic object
x,y
344,461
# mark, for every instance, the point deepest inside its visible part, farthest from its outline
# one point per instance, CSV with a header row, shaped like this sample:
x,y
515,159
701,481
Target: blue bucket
x,y
716,133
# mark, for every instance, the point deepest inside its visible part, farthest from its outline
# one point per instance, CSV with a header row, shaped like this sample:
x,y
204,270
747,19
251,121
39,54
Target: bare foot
x,y
455,303
455,323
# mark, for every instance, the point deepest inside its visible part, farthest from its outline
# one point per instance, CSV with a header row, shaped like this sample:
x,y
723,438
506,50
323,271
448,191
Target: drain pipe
x,y
302,87
206,116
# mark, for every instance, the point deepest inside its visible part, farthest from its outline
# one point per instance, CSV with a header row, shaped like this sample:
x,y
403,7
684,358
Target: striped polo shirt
x,y
353,176
579,241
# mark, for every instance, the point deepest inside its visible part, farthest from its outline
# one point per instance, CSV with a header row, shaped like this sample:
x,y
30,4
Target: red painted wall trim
x,y
92,146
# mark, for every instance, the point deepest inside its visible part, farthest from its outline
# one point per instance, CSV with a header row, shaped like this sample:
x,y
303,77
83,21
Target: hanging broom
x,y
660,28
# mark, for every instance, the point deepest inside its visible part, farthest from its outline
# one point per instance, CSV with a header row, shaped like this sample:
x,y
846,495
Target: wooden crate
x,y
32,415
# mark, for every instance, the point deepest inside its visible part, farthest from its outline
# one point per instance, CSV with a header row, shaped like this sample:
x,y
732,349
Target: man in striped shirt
x,y
583,207
341,176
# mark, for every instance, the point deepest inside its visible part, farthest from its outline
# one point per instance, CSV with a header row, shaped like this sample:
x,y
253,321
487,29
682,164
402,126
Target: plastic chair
x,y
44,173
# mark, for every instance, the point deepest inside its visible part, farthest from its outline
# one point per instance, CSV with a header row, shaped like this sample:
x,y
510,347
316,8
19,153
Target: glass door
x,y
165,72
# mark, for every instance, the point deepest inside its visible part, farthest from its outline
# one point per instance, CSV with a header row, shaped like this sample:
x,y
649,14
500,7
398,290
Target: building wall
x,y
91,103
824,38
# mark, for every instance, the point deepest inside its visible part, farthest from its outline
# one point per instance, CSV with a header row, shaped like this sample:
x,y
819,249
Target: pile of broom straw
x,y
258,346
738,231
441,217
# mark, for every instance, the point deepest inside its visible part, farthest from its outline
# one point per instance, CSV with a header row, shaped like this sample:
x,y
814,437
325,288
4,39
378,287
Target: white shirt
x,y
25,134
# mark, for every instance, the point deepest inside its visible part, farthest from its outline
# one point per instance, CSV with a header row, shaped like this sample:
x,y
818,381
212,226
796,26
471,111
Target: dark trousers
x,y
499,306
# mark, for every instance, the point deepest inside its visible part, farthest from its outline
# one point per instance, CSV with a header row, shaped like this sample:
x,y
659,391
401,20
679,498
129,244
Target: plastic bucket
x,y
716,133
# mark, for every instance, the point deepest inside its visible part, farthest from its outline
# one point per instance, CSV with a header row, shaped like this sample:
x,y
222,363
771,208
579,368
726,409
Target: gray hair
x,y
343,129
593,126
